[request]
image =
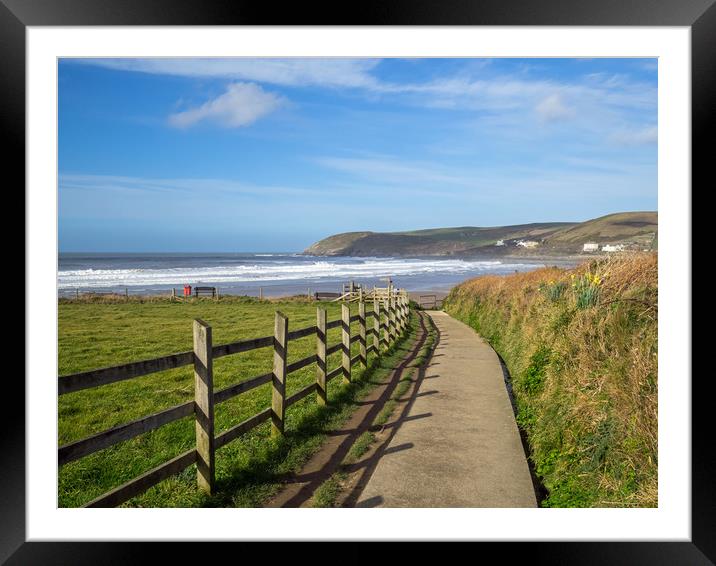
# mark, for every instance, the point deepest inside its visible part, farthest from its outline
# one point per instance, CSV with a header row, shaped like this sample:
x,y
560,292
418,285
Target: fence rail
x,y
390,315
429,302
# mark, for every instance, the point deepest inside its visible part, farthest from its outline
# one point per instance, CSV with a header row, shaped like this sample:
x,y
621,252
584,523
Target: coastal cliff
x,y
631,230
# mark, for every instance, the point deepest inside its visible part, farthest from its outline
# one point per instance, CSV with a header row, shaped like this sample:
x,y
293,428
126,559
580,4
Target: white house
x,y
612,247
500,243
590,247
528,243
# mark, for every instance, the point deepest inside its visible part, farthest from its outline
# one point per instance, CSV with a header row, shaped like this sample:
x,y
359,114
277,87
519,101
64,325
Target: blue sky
x,y
274,154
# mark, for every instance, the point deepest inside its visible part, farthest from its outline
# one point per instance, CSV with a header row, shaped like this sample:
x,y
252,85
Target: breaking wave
x,y
297,270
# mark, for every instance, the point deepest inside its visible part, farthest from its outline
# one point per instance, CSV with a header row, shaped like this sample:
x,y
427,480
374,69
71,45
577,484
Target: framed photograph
x,y
380,201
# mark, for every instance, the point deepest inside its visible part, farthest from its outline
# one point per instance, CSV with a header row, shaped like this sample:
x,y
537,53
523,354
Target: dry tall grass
x,y
584,373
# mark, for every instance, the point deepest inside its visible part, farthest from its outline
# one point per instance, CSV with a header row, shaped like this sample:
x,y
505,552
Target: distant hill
x,y
636,230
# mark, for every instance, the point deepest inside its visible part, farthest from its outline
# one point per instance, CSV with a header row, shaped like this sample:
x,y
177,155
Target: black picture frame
x,y
699,15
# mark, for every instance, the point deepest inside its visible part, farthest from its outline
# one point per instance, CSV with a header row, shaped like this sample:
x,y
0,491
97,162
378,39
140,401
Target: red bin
x,y
187,290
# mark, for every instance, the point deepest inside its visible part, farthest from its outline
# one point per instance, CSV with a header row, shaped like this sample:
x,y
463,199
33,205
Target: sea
x,y
269,274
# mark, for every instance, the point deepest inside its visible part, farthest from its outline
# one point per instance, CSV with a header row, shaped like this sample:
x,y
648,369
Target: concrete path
x,y
465,449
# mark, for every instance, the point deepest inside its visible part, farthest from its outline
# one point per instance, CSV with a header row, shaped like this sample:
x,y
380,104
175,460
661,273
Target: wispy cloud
x,y
597,104
200,187
640,136
327,72
564,178
475,86
390,170
241,105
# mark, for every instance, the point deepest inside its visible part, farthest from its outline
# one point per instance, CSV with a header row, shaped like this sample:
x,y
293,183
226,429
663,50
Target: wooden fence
x,y
390,318
429,302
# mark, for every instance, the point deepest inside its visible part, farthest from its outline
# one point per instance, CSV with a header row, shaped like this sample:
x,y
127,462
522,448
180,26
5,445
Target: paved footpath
x,y
462,448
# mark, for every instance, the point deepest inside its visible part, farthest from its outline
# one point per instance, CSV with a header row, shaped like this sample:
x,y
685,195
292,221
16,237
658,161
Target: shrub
x,y
586,289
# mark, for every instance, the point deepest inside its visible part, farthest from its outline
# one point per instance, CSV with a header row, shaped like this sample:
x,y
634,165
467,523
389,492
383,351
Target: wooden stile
x,y
278,397
322,397
204,405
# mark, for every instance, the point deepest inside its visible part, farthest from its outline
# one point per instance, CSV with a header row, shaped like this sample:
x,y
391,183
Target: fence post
x,y
204,405
403,318
376,325
398,319
406,306
402,315
391,321
346,335
321,356
407,310
361,332
386,324
278,396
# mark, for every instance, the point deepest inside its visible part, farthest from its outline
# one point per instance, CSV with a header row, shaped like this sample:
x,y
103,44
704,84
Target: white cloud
x,y
241,105
553,108
641,136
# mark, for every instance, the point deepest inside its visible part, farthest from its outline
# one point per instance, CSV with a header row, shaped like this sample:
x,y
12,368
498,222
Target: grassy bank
x,y
103,332
581,347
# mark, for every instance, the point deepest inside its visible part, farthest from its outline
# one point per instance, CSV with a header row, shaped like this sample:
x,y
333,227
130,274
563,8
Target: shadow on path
x,y
370,463
329,458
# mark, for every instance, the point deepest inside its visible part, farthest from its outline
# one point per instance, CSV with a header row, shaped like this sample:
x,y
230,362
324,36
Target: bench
x,y
322,295
205,291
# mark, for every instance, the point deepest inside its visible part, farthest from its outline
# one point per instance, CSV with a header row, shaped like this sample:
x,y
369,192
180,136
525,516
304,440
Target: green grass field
x,y
248,470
